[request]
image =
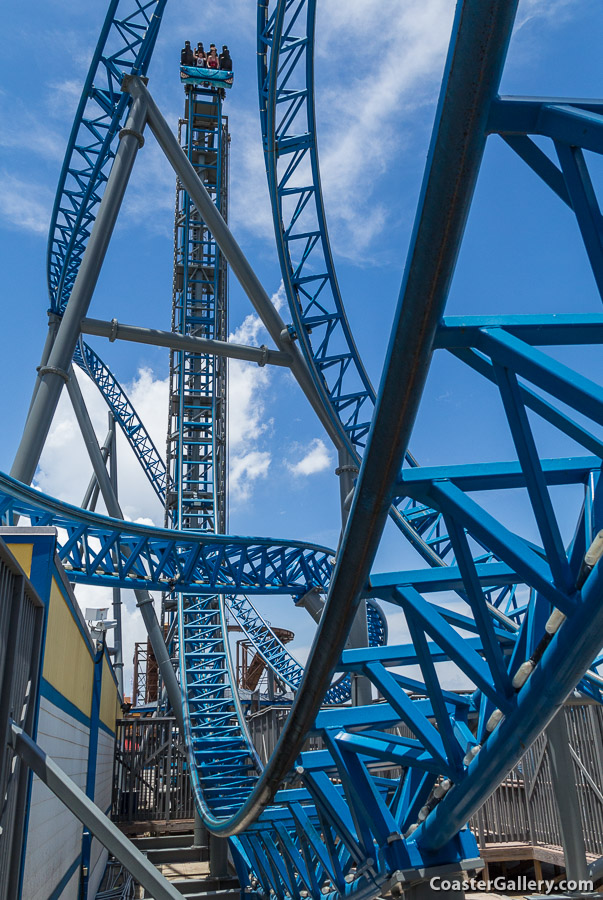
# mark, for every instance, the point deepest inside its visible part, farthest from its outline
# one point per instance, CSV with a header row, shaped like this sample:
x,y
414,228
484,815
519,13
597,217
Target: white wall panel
x,y
54,837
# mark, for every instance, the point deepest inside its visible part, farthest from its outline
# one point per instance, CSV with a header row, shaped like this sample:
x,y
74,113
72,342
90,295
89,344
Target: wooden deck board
x,y
516,850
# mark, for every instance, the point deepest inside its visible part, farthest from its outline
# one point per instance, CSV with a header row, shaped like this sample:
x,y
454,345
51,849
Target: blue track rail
x,y
288,120
125,46
96,549
277,657
125,415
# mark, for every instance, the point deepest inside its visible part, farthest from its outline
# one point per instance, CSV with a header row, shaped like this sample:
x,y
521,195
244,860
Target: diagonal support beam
x,y
144,599
237,260
91,816
92,491
53,375
556,675
557,379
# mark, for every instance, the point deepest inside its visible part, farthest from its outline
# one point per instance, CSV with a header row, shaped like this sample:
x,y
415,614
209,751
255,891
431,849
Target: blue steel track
x,y
395,782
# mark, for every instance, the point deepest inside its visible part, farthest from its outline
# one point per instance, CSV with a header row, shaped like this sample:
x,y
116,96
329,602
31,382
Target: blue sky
x,y
522,250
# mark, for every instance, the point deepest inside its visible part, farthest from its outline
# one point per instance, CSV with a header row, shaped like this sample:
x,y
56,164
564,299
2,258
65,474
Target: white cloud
x,y
250,208
316,459
244,470
18,123
24,205
556,10
63,97
362,109
65,469
248,419
366,114
247,384
280,297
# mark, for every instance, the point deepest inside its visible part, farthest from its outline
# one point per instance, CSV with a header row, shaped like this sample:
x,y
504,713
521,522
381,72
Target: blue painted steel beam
x,y
568,386
537,403
555,677
576,123
557,329
96,549
445,578
495,476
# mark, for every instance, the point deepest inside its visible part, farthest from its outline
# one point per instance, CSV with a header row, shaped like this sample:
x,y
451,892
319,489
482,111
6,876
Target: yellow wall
x,y
23,554
68,665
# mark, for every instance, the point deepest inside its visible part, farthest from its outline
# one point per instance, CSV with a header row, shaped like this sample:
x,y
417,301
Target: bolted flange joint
x,y
341,470
53,370
131,131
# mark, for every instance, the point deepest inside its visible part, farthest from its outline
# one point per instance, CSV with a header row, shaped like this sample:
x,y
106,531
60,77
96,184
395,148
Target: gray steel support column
x,y
270,679
118,660
144,600
218,856
115,331
91,495
91,816
313,603
234,255
201,834
563,776
53,375
92,446
362,692
53,326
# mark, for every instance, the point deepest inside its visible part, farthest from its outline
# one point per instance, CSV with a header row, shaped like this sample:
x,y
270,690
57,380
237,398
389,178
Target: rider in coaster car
x,y
212,61
187,57
225,60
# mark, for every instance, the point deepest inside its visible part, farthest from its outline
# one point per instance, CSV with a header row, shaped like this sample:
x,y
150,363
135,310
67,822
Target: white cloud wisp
x,y
316,459
248,420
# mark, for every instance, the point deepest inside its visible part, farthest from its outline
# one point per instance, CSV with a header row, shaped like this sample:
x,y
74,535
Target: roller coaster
x,y
387,796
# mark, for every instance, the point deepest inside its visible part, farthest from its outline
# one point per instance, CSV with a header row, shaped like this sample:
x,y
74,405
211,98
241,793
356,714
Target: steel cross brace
x,y
91,816
115,330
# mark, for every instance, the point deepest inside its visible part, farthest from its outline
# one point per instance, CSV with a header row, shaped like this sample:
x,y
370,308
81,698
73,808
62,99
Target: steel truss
x,y
96,549
125,44
328,821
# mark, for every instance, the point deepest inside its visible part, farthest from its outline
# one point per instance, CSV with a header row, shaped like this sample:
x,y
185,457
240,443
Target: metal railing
x,y
151,779
21,626
522,810
150,773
